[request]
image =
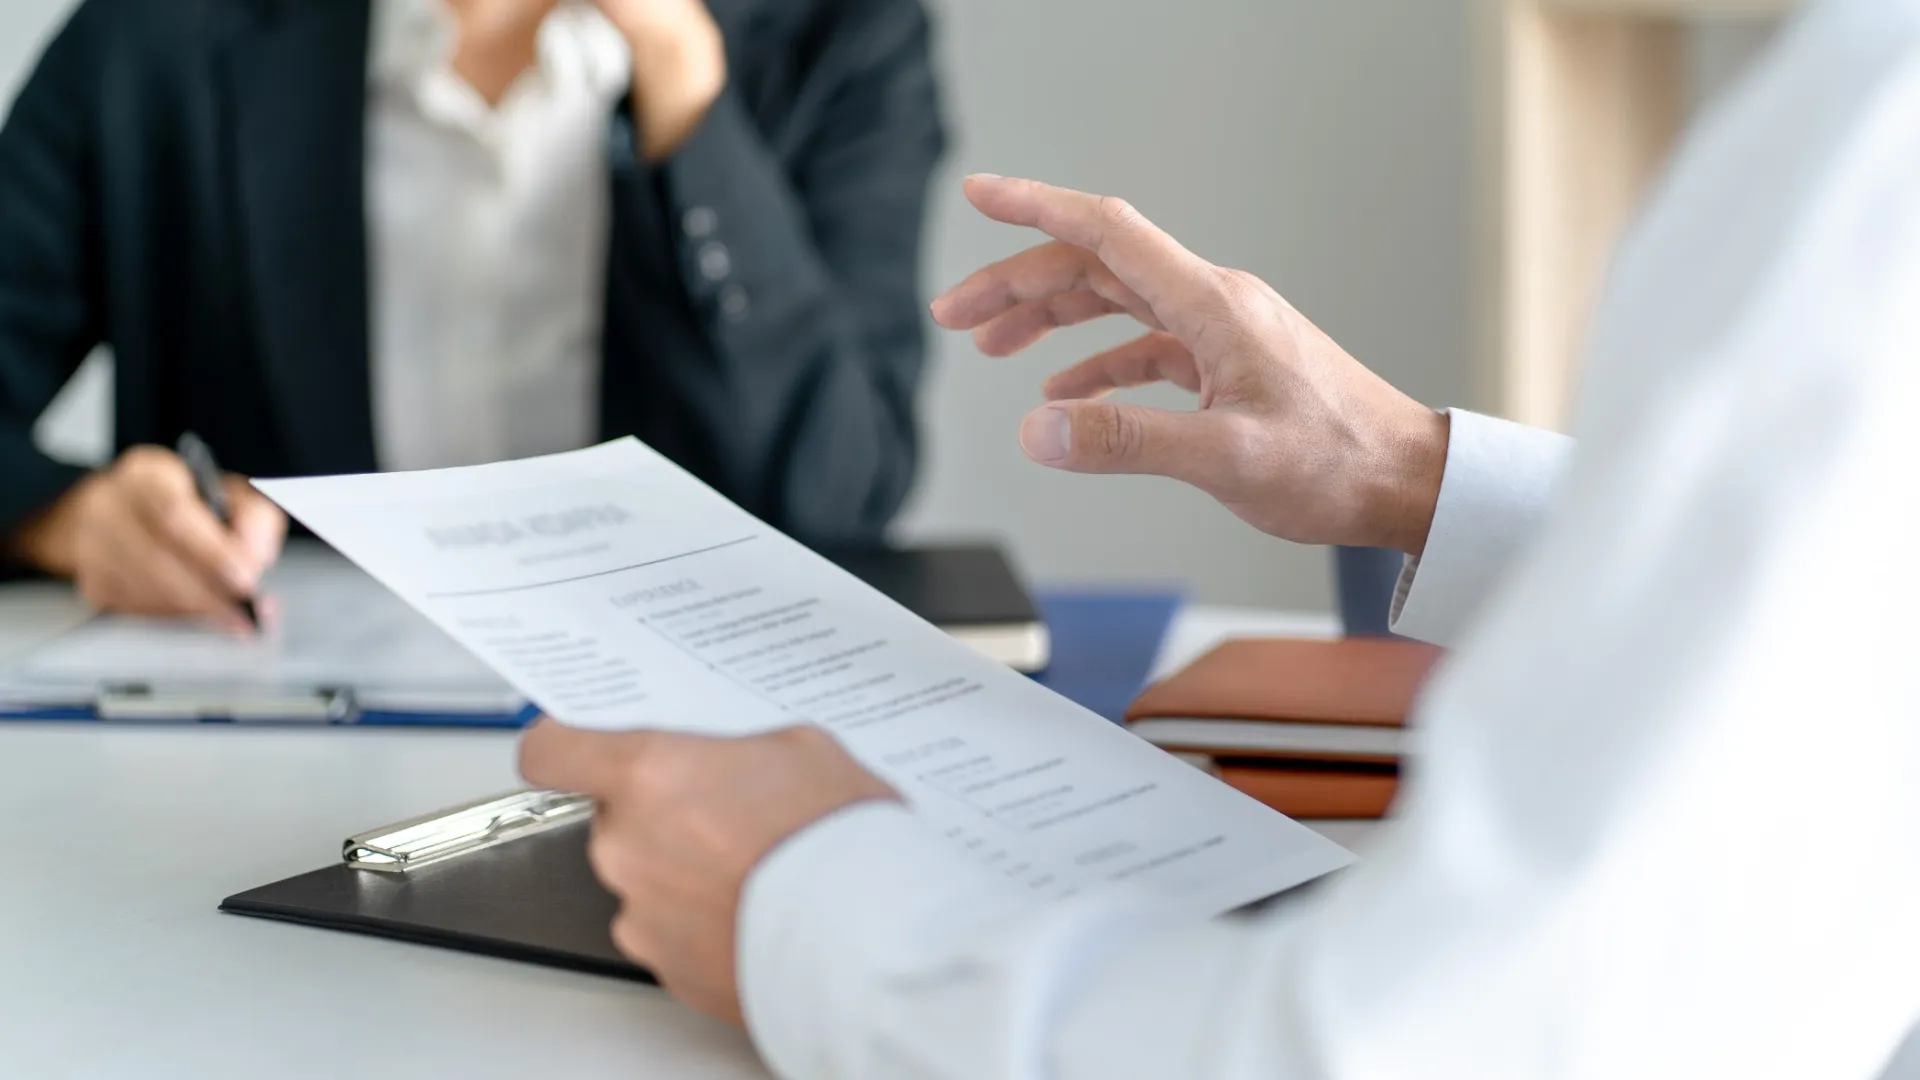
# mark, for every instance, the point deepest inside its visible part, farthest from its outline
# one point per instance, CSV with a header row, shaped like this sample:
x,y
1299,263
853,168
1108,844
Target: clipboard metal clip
x,y
142,702
463,830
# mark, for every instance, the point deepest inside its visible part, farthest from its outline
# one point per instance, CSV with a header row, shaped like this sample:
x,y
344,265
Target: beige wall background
x,y
1322,146
1326,147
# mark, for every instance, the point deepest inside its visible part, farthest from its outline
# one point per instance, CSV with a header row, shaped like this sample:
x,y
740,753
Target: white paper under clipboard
x,y
344,650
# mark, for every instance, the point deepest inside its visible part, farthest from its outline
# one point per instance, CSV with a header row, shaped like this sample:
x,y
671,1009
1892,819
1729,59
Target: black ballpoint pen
x,y
206,479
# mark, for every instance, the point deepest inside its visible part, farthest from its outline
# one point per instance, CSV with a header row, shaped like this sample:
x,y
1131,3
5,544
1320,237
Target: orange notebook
x,y
1309,793
1314,729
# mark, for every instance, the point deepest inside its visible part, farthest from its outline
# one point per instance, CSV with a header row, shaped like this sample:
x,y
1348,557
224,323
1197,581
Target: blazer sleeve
x,y
804,266
49,314
1500,482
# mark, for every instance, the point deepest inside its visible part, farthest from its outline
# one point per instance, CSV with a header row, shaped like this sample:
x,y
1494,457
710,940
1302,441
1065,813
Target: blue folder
x,y
1105,644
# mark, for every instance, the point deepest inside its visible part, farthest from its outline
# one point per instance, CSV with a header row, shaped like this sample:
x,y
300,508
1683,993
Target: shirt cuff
x,y
829,912
1496,492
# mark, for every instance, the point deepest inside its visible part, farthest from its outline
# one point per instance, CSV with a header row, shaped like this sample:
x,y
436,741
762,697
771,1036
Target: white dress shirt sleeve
x,y
1661,821
1496,492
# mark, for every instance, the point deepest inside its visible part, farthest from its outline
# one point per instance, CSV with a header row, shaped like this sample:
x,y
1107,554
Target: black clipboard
x,y
494,880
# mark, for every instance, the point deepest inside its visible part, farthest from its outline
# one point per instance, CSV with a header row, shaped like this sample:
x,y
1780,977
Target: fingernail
x,y
986,176
1047,435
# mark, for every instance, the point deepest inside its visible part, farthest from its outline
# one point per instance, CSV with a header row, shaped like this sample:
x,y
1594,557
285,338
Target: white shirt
x,y
488,240
1616,855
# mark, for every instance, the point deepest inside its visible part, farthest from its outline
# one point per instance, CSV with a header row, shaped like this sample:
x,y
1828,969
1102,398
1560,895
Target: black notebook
x,y
968,590
533,900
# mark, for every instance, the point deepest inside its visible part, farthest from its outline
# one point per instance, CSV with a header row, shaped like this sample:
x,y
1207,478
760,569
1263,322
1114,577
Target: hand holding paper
x,y
683,820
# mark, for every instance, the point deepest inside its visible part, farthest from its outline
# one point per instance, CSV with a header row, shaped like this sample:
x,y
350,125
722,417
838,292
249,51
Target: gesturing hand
x,y
1291,433
682,821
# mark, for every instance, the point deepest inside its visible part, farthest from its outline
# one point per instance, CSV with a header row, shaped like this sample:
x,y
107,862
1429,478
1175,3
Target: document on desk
x,y
619,592
336,628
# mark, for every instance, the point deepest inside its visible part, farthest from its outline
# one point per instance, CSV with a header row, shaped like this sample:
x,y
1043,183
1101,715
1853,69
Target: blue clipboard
x,y
1104,646
359,718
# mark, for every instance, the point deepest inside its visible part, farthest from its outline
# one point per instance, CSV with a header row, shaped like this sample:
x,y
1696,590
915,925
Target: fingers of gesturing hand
x,y
1045,273
1205,449
1154,358
1028,323
1180,290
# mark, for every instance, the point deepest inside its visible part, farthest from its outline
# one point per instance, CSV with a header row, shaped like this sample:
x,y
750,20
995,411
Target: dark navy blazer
x,y
183,181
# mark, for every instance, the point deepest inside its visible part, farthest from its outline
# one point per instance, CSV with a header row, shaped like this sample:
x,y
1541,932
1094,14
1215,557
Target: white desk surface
x,y
121,842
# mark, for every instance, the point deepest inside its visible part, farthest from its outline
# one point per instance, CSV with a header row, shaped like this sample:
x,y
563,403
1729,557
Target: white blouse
x,y
488,233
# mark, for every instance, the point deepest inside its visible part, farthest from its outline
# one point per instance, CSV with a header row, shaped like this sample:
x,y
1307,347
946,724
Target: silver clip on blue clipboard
x,y
139,702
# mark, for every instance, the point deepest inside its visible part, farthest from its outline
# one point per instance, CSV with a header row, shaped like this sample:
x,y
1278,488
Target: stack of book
x,y
1314,729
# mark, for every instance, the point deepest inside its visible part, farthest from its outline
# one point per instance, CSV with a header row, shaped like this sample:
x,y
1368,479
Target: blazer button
x,y
700,222
734,303
715,262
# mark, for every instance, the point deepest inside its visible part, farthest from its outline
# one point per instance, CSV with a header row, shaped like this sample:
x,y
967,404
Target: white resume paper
x,y
619,592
